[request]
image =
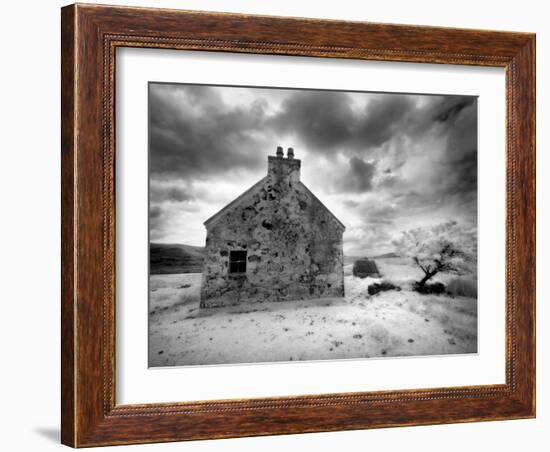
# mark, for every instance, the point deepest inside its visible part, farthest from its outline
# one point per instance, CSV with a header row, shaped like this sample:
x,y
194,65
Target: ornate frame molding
x,y
90,37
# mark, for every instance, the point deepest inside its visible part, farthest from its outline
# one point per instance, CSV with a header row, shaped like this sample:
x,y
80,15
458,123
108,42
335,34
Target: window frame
x,y
240,263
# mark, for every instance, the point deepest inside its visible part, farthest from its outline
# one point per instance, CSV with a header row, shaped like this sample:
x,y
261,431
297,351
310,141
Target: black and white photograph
x,y
294,224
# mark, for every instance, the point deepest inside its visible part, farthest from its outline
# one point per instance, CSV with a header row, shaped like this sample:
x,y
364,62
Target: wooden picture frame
x,y
90,35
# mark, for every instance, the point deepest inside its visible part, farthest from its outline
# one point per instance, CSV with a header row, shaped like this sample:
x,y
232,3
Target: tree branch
x,y
417,261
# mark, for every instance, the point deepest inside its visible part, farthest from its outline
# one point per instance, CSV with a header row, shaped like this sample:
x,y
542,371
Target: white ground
x,y
393,323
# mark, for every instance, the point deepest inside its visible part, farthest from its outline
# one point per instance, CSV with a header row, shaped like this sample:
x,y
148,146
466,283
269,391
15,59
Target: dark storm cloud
x,y
450,107
177,194
382,118
155,212
326,122
170,193
359,177
323,120
193,132
436,110
458,117
453,167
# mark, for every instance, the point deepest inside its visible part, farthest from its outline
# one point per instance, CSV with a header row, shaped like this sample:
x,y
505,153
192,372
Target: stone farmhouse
x,y
275,242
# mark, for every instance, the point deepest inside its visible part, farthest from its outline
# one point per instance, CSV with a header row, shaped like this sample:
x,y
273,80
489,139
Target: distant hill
x,y
175,258
386,256
352,259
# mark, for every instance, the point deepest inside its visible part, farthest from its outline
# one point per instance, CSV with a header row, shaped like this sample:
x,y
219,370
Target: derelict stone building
x,y
275,242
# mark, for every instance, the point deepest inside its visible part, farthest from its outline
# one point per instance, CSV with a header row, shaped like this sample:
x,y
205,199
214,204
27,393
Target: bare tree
x,y
445,248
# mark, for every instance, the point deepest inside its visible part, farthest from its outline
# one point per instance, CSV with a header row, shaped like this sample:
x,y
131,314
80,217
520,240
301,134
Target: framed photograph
x,y
281,225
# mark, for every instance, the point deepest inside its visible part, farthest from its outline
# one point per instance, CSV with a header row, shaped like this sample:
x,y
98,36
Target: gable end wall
x,y
293,244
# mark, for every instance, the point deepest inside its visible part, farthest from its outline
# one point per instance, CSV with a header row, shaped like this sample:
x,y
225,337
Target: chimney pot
x,y
290,153
280,151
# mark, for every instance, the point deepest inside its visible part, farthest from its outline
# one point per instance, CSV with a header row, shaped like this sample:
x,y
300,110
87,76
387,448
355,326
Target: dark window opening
x,y
237,262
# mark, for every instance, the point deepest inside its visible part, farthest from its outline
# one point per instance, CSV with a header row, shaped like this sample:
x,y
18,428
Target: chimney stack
x,y
290,153
283,169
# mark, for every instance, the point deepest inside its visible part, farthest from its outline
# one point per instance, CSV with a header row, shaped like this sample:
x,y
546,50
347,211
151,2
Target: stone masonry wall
x,y
293,244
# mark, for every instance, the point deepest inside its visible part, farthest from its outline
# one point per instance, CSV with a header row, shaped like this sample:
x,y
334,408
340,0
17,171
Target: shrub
x,y
365,267
373,289
462,287
435,288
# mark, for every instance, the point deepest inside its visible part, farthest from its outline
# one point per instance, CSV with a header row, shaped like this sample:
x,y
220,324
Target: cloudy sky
x,y
382,163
